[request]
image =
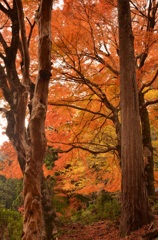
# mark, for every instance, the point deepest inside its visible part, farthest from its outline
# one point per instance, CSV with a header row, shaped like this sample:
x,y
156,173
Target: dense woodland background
x,y
82,161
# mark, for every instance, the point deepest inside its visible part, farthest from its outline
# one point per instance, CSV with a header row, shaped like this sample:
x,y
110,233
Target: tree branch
x,y
76,107
73,146
4,110
31,30
150,82
26,58
3,42
149,103
4,10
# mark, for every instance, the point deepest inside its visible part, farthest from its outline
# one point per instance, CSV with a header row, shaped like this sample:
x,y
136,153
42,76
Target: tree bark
x,y
135,207
15,91
34,227
147,147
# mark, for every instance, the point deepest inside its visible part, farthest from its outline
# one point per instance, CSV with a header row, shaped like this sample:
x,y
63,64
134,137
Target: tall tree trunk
x,y
34,228
135,207
147,147
15,91
145,122
50,217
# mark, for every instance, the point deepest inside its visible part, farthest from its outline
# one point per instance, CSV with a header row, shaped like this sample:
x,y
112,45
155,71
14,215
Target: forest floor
x,y
106,230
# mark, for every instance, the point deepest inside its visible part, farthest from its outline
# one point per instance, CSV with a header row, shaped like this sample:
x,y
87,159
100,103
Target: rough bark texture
x,y
147,147
13,90
16,90
50,217
135,207
33,227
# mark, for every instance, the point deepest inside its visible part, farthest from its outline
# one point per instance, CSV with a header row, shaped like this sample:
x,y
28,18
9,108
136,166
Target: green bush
x,y
10,192
154,205
60,203
50,157
85,216
110,210
10,224
105,207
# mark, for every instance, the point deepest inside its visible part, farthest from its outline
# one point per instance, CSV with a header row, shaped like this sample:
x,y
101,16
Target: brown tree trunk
x,y
135,207
147,147
15,91
50,217
34,228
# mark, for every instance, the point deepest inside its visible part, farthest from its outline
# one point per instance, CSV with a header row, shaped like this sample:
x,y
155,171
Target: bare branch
x,y
4,86
4,10
3,42
4,110
73,146
76,107
6,3
148,103
26,58
2,56
138,9
31,30
150,82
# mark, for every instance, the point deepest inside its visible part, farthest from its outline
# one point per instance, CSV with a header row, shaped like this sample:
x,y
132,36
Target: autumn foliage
x,y
82,122
82,125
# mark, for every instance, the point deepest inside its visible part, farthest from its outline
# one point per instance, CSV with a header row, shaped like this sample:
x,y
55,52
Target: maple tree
x,y
78,67
9,165
83,125
89,71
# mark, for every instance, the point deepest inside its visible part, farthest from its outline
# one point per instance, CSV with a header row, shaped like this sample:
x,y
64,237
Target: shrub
x,y
60,203
104,207
10,192
10,224
107,206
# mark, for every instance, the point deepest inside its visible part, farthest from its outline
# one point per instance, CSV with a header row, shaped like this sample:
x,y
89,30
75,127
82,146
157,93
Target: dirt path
x,y
103,231
95,231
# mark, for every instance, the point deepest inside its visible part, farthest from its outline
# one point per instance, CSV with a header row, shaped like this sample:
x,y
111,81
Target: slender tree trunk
x,y
34,228
118,133
147,147
135,207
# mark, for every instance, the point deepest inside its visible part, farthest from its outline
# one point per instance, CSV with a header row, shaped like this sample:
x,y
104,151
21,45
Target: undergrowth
x,y
109,210
102,206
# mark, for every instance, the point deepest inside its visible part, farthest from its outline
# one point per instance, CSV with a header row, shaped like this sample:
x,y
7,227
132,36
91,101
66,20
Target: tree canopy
x,y
60,78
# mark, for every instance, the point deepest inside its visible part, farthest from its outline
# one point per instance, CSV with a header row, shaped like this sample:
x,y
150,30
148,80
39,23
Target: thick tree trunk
x,y
50,217
135,207
34,228
147,147
15,92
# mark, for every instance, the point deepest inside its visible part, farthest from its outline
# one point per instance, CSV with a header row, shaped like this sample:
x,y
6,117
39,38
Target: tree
x,y
34,227
17,88
135,206
89,69
144,67
86,67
